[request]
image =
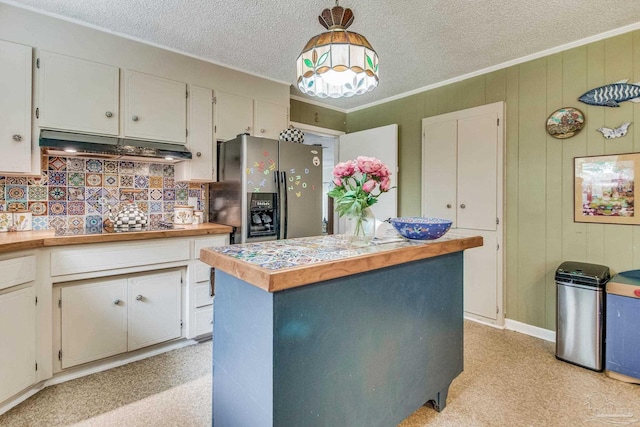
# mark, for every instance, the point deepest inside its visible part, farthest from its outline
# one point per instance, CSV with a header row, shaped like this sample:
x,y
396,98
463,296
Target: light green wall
x,y
303,112
540,232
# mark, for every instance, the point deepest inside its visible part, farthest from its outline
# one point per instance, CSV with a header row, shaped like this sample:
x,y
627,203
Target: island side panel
x,y
242,354
368,349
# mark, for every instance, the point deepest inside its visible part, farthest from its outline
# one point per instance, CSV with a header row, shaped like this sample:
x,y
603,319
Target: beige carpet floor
x,y
510,379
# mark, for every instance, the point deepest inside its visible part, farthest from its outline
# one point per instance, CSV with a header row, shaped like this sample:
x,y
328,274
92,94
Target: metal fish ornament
x,y
611,95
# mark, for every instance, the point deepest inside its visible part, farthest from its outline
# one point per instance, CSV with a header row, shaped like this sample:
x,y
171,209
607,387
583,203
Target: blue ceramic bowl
x,y
420,228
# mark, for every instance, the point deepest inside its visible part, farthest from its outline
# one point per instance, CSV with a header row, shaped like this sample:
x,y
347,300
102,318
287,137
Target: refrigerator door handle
x,y
285,204
278,218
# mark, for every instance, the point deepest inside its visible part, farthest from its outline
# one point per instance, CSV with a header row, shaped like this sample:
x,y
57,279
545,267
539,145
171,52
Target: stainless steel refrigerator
x,y
267,189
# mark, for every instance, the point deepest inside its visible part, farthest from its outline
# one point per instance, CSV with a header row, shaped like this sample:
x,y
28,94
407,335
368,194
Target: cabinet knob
x,y
262,130
448,205
139,298
135,118
116,301
17,138
247,128
462,206
108,114
198,154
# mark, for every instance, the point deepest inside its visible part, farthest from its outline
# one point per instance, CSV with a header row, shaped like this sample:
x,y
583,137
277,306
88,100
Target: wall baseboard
x,y
534,331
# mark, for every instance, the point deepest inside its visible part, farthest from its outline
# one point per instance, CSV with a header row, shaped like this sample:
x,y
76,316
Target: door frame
x,y
499,108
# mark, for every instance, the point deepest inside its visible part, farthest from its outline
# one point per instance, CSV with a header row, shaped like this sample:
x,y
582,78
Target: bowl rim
x,y
420,220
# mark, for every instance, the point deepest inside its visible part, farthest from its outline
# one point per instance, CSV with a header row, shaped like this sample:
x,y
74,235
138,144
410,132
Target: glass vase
x,y
361,228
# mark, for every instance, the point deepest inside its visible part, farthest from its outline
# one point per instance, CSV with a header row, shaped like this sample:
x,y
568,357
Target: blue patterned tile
x,y
16,193
58,208
57,193
168,194
141,181
40,222
57,178
155,206
93,166
93,221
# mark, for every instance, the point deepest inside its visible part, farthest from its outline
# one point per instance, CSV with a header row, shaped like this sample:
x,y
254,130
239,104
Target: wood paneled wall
x,y
540,231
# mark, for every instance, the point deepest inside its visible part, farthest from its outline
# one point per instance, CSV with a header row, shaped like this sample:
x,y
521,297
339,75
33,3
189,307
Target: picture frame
x,y
604,189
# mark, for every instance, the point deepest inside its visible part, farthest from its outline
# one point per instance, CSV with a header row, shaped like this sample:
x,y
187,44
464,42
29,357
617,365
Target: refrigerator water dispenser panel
x,y
262,215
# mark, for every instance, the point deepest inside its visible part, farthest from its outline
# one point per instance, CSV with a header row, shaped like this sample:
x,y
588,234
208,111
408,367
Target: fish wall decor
x,y
612,94
615,133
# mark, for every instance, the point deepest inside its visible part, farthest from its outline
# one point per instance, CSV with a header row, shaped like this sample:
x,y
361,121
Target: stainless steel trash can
x,y
580,313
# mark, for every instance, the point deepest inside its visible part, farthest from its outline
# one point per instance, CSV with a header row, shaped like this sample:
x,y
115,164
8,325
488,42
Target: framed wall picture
x,y
605,188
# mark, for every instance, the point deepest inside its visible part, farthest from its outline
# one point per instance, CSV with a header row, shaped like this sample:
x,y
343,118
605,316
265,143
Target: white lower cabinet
x,y
18,337
105,317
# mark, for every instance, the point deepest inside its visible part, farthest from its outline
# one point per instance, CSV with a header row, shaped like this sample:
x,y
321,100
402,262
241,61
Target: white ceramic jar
x,y
183,214
199,215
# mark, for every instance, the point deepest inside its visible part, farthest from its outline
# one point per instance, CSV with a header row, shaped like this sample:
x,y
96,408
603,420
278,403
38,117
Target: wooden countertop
x,y
21,240
283,264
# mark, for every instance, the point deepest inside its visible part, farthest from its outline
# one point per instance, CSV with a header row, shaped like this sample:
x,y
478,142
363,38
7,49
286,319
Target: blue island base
x,y
363,350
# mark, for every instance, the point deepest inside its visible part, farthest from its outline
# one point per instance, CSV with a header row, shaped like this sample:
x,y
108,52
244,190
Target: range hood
x,y
76,144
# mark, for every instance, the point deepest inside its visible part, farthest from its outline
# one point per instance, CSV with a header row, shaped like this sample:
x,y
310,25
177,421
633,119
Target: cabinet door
x,y
481,275
269,120
155,108
18,337
15,107
78,95
234,115
154,308
477,172
94,321
200,139
440,170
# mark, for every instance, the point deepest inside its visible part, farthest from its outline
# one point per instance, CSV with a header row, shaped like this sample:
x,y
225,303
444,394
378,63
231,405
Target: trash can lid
x,y
630,277
583,273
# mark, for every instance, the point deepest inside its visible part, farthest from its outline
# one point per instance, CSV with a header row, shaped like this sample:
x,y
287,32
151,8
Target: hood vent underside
x,y
76,144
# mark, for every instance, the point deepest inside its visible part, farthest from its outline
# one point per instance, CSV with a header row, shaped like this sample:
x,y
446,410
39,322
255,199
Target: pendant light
x,y
337,63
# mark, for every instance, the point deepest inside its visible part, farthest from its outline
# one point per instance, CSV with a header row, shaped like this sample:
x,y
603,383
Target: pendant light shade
x,y
337,63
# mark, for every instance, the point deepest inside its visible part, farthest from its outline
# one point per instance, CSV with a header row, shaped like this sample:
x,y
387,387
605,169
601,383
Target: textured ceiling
x,y
420,42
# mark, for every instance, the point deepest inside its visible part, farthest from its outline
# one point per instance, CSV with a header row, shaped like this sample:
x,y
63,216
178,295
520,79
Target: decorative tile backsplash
x,y
75,193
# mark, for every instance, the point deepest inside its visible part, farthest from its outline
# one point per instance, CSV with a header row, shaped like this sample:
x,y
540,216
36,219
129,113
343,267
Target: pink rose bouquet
x,y
358,184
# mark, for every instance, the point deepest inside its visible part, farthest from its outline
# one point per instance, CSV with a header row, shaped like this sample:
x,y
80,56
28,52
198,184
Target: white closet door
x,y
477,172
440,168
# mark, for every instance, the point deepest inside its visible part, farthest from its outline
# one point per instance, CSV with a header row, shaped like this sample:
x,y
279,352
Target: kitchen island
x,y
317,332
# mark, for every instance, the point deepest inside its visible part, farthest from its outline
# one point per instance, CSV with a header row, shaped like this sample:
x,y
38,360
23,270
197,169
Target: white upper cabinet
x,y
269,119
78,95
155,108
15,108
234,115
237,114
200,139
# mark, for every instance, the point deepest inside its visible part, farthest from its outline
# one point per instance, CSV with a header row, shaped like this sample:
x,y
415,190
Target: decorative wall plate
x,y
565,122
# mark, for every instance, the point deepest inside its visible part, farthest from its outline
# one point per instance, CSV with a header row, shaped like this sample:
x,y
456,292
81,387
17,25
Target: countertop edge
x,y
24,240
279,280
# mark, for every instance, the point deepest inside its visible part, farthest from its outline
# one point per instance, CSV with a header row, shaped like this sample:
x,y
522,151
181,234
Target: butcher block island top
x,y
283,264
21,240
